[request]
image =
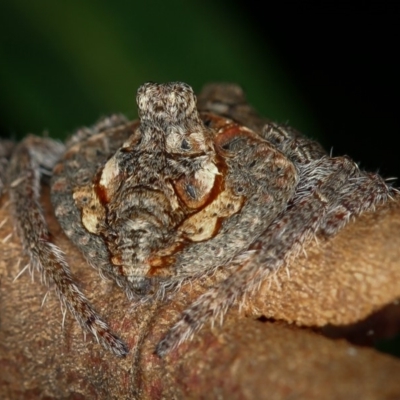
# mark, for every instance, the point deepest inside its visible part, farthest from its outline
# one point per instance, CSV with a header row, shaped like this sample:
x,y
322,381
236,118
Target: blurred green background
x,y
65,63
330,73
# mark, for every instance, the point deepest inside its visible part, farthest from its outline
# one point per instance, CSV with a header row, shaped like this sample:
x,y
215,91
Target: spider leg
x,y
331,191
6,147
101,125
362,192
229,100
31,158
298,148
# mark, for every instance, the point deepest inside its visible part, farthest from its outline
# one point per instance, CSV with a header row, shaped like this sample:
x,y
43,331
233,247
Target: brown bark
x,y
341,281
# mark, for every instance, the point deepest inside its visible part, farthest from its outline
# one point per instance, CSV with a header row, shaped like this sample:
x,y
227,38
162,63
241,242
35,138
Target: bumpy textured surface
x,y
179,194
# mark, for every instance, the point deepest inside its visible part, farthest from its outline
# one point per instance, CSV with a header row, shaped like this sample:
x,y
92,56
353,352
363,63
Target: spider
x,y
186,190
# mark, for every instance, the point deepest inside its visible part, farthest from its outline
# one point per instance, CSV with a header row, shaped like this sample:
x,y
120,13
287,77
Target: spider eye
x,y
208,123
185,145
191,191
235,144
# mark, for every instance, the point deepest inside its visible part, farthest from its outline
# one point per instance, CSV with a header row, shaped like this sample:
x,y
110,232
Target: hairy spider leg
x,y
31,156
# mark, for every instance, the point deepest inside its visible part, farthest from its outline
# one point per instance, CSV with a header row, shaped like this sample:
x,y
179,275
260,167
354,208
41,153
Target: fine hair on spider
x,y
193,187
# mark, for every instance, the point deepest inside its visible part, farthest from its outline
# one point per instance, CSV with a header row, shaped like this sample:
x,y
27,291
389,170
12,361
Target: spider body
x,y
160,209
178,194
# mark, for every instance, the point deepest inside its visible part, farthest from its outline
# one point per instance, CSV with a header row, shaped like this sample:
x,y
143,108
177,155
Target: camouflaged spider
x,y
174,196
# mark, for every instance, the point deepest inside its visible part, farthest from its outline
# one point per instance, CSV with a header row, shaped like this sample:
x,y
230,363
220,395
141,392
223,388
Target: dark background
x,y
329,70
347,69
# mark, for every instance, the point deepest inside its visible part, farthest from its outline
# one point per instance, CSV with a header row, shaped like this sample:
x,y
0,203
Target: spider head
x,y
164,104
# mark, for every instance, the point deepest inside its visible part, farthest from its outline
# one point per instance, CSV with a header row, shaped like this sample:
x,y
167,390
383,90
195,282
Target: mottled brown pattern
x,y
180,195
